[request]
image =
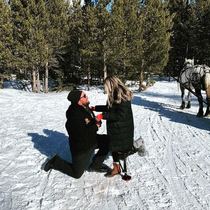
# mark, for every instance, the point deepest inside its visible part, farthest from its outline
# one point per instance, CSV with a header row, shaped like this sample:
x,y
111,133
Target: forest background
x,y
72,44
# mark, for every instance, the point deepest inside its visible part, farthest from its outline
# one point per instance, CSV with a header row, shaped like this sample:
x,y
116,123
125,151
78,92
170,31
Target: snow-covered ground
x,y
175,173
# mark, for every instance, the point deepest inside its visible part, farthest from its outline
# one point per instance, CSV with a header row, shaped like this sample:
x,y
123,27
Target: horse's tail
x,y
207,85
207,79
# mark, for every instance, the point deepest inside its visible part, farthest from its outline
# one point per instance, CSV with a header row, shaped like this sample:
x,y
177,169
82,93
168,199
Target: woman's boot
x,y
114,171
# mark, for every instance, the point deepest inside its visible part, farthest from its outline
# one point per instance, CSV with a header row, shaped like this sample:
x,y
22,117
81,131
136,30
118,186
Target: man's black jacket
x,y
81,128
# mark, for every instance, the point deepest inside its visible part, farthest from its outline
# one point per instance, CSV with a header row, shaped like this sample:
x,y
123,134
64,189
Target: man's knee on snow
x,y
78,174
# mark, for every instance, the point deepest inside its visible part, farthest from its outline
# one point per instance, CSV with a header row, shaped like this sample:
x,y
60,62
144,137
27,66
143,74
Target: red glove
x,y
99,117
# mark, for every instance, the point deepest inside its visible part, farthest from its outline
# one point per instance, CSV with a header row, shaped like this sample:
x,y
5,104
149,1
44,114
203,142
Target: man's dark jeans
x,y
80,162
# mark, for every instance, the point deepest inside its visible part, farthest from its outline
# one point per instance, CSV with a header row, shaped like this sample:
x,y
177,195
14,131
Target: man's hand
x,y
98,123
92,108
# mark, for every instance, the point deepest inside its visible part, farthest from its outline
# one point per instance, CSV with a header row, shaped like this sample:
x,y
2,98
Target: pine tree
x,y
191,25
179,40
156,46
38,19
6,42
133,36
117,34
73,59
104,36
30,23
19,35
56,36
202,53
127,39
41,30
136,48
90,43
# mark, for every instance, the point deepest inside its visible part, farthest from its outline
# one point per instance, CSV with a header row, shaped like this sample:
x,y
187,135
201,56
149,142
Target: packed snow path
x,y
175,173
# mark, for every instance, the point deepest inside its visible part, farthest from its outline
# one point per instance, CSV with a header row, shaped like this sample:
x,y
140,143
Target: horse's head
x,y
188,62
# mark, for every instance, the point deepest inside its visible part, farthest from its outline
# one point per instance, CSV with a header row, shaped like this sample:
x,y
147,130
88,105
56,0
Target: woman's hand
x,y
99,117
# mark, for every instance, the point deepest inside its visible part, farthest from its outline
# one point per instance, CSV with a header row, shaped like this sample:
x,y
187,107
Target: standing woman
x,y
119,116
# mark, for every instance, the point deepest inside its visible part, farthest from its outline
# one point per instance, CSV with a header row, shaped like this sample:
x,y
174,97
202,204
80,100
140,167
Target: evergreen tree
x,y
179,40
73,58
117,34
56,36
127,39
103,38
191,25
202,53
39,21
90,44
41,30
19,35
30,23
156,46
6,42
133,41
137,44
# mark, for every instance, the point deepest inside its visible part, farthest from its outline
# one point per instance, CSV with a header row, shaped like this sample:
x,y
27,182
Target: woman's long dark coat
x,y
120,127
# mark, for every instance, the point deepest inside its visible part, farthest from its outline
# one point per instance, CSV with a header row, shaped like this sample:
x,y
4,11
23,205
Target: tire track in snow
x,y
170,178
178,167
167,128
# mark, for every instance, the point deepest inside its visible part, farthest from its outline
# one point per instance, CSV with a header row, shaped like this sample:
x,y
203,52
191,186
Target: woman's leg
x,y
115,157
116,164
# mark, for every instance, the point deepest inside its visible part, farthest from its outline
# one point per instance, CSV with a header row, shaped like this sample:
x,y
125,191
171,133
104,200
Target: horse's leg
x,y
200,100
182,97
189,99
208,101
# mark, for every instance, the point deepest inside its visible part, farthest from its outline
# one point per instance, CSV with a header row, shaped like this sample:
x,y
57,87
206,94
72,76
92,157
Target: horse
x,y
195,77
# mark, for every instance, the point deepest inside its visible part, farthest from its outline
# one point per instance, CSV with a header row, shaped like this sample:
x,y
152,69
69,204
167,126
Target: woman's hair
x,y
116,90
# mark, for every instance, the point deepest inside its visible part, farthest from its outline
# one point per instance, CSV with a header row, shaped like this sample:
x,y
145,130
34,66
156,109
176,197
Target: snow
x,y
175,173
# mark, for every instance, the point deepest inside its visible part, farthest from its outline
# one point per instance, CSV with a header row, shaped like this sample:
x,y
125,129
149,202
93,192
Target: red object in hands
x,y
99,117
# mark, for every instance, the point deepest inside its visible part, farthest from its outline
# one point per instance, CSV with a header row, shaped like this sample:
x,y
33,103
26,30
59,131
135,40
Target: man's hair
x,y
116,90
74,96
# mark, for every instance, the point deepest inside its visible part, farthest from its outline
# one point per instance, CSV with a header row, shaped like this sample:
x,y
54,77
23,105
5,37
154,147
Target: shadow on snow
x,y
167,110
52,142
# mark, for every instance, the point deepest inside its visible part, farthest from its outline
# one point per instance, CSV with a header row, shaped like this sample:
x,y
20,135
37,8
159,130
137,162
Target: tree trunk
x,y
1,83
148,80
88,77
25,73
142,87
105,67
33,80
104,56
37,81
141,81
46,78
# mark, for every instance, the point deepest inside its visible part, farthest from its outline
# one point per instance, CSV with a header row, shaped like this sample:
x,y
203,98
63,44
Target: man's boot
x,y
50,162
114,171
